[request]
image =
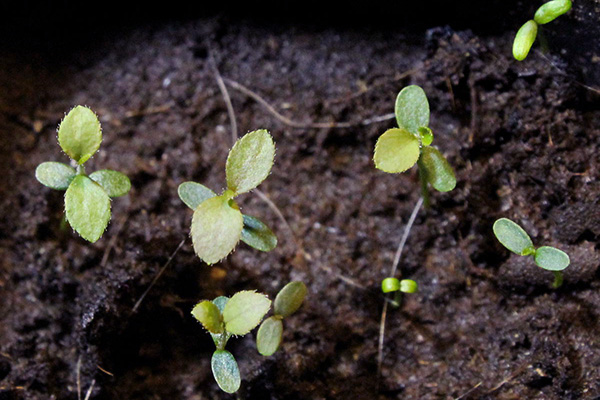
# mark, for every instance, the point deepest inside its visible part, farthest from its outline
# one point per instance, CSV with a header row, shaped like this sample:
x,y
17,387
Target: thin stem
x,y
423,181
558,279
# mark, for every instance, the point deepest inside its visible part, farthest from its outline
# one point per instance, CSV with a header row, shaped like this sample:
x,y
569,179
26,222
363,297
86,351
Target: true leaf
x,y
208,314
192,194
412,109
396,151
80,134
551,259
114,183
258,235
250,161
216,228
438,171
551,10
524,40
513,237
226,371
289,299
55,175
269,336
87,207
244,311
220,339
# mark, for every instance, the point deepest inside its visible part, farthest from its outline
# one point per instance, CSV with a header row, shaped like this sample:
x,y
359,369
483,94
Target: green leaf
x,y
250,161
551,10
226,371
80,134
438,171
216,228
87,207
55,175
289,299
408,286
412,109
396,151
208,314
513,237
389,285
244,311
551,259
258,235
269,336
192,194
114,183
524,40
426,136
220,339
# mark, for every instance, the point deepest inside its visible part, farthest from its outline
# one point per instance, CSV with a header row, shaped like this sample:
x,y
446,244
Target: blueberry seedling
x,y
515,239
398,149
288,301
217,224
87,197
527,34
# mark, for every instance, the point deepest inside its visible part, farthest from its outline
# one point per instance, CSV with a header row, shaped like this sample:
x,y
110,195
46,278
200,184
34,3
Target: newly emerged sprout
x,y
87,197
217,224
515,239
288,301
238,315
390,285
398,149
527,34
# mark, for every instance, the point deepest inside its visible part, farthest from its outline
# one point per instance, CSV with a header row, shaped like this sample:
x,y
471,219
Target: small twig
x,y
113,240
302,125
78,374
509,378
469,391
395,264
148,111
89,392
137,304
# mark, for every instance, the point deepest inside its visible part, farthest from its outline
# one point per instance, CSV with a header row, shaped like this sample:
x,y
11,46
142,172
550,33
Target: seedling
x,y
394,285
87,197
238,315
288,301
398,149
527,34
217,224
515,239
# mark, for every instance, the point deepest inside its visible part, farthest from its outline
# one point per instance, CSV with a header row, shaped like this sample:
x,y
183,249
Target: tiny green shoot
x,y
515,239
527,34
398,149
218,224
87,197
391,285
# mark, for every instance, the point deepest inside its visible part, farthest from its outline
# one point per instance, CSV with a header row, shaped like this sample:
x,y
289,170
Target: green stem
x,y
543,41
397,301
80,170
424,188
558,279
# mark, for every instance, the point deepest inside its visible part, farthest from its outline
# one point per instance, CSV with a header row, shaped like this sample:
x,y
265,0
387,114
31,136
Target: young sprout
x,y
515,239
217,224
87,197
288,301
389,285
527,34
398,149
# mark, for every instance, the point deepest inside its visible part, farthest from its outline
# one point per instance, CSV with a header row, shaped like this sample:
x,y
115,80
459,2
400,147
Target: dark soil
x,y
524,139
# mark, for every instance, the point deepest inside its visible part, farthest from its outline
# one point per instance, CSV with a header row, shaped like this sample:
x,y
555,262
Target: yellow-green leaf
x,y
551,10
289,299
258,235
396,151
412,109
114,183
192,194
438,171
208,314
87,207
244,311
250,161
226,371
524,40
55,175
269,336
551,258
80,134
216,228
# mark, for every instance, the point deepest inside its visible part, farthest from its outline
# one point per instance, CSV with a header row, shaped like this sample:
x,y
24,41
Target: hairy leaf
x,y
524,40
216,228
289,299
55,175
208,314
513,237
258,235
114,183
396,151
438,171
250,161
244,311
551,258
192,194
269,336
226,371
80,134
412,109
87,208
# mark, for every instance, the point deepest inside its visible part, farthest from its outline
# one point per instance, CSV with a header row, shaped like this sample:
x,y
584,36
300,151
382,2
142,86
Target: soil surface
x,y
524,140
